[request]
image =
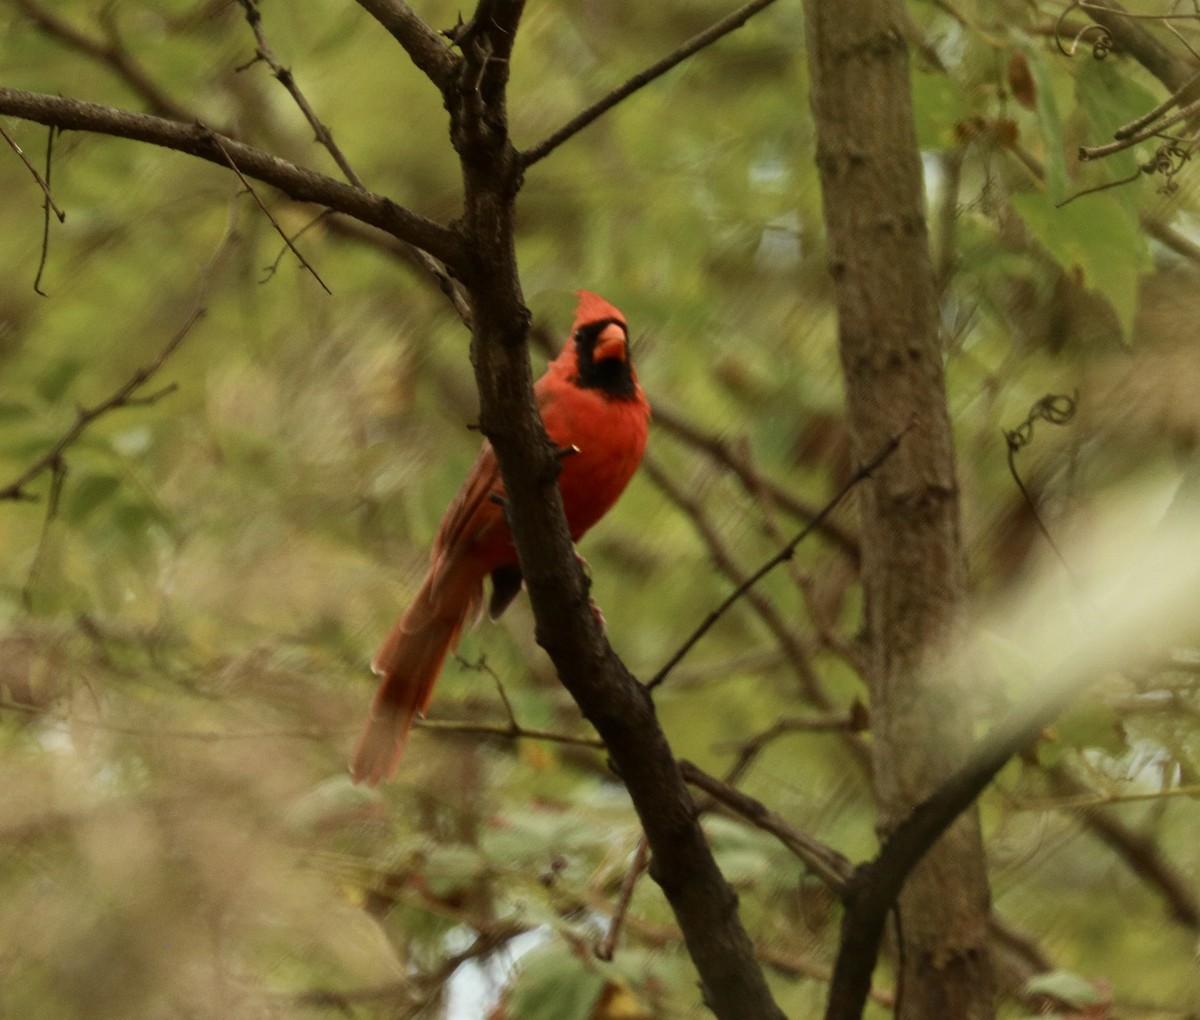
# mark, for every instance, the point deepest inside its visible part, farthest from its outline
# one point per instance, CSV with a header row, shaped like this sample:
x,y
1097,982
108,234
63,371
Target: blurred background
x,y
188,609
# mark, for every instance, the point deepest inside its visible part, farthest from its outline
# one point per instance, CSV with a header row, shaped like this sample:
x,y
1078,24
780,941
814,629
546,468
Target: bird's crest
x,y
593,308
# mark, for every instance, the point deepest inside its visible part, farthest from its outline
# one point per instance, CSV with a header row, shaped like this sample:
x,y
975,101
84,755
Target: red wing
x,y
473,511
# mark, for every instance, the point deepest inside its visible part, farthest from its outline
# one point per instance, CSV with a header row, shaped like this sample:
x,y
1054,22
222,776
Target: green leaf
x,y
1097,237
13,410
939,106
55,381
1111,99
1050,124
1092,725
1068,988
552,983
87,494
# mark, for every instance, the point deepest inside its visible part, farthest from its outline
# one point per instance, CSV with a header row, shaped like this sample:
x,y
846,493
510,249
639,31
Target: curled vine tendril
x,y
1102,41
1168,160
1057,409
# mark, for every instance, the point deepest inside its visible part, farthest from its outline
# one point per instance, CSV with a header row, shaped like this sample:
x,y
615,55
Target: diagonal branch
x,y
827,864
423,45
297,182
706,38
782,556
288,80
722,453
790,643
42,182
125,396
270,216
109,52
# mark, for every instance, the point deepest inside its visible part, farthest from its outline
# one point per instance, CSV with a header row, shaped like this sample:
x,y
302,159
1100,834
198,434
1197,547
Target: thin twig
x,y
45,255
1126,141
511,731
288,81
110,53
297,182
791,644
1134,126
481,665
706,38
827,864
721,452
854,721
125,396
42,183
270,270
641,857
782,556
58,477
267,212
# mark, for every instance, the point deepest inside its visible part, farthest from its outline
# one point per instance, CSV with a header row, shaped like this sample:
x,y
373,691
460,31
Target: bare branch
x,y
515,732
706,38
46,205
288,81
793,648
831,867
42,182
751,480
269,215
109,52
641,857
854,721
780,557
127,394
423,45
123,397
297,182
350,229
1141,853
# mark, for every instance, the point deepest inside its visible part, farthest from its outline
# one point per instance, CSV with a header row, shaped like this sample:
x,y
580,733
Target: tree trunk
x,y
912,558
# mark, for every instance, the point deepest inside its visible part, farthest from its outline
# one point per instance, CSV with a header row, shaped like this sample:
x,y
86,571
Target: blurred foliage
x,y
184,642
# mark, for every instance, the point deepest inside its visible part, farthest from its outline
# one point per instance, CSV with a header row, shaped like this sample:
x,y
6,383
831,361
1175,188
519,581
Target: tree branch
x,y
612,700
793,647
720,452
831,867
297,182
706,38
423,45
124,396
285,78
780,557
109,52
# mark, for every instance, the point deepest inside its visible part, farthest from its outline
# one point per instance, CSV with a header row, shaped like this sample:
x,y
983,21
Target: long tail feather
x,y
409,662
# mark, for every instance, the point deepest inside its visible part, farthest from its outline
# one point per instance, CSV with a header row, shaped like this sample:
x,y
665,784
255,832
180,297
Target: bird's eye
x,y
579,336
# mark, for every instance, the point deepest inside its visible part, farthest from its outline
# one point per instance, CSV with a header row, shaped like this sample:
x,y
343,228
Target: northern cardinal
x,y
595,412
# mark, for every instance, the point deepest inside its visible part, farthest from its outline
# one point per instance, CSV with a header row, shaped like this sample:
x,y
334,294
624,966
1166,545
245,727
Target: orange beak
x,y
610,344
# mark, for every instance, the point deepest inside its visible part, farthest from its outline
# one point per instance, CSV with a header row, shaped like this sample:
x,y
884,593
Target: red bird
x,y
591,403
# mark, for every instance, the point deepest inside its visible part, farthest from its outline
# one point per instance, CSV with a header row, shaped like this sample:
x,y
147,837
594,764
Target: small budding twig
x,y
45,255
641,857
42,182
782,556
216,140
285,77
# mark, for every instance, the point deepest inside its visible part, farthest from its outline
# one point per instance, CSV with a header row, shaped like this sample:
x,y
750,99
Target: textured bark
x,y
912,558
613,701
